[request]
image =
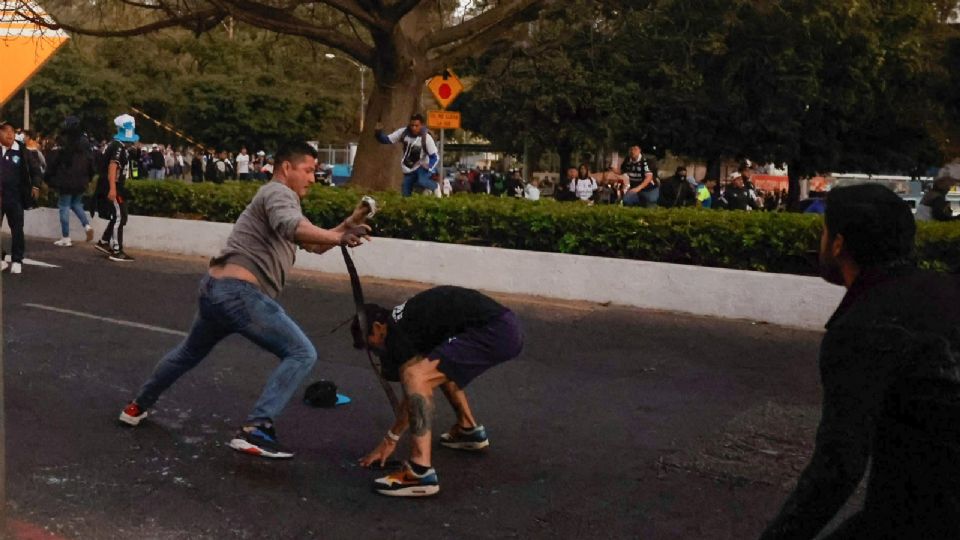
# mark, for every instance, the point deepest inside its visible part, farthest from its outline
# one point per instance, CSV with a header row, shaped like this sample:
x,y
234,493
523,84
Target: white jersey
x,y
243,164
414,155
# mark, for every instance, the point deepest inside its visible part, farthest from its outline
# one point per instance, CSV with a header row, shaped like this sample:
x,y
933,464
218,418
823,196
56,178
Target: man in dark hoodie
x,y
70,169
20,178
890,369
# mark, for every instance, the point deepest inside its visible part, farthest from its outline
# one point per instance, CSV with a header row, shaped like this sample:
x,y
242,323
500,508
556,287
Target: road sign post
x,y
445,89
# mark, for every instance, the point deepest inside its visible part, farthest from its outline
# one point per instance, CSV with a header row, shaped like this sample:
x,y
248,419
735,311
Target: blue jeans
x,y
646,199
66,204
229,306
420,177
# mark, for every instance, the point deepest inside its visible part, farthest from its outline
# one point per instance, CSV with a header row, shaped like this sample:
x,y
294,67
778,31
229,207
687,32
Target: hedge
x,y
762,241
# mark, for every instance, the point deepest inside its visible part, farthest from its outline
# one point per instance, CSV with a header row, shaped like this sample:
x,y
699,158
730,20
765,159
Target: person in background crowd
x,y
168,161
267,170
210,170
157,164
532,191
737,197
584,185
20,179
243,164
641,173
564,192
934,205
676,191
178,165
32,142
515,185
196,166
705,192
71,169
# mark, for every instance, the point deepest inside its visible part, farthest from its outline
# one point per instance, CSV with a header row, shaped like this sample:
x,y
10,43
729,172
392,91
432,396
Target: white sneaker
x,y
6,258
4,265
64,242
16,268
438,192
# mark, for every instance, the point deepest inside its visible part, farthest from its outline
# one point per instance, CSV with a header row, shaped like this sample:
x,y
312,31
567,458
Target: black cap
x,y
322,393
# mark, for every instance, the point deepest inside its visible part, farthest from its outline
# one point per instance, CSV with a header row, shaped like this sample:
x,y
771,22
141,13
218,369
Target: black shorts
x,y
465,356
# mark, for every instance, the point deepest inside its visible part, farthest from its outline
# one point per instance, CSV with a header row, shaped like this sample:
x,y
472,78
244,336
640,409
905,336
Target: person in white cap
x,y
111,193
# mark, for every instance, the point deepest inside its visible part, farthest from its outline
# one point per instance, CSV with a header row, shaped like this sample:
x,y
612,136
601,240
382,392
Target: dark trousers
x,y
13,211
113,234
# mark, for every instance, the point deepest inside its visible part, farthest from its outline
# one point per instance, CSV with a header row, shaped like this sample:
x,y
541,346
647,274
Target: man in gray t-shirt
x,y
237,296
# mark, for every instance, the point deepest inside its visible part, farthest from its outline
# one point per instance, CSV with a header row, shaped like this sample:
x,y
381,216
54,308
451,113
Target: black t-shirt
x,y
115,152
432,317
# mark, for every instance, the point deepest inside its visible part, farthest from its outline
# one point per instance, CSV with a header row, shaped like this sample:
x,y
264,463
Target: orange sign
x,y
445,88
443,120
24,45
768,182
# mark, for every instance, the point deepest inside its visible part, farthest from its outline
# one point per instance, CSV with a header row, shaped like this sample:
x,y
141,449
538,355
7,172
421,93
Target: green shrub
x,y
769,242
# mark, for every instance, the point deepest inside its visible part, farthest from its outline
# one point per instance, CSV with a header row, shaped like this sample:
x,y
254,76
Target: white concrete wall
x,y
788,300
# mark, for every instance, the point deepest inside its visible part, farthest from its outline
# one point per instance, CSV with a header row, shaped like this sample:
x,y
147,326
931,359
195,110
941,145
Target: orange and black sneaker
x,y
407,483
132,414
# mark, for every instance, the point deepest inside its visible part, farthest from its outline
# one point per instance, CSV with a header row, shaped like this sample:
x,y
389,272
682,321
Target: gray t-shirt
x,y
262,240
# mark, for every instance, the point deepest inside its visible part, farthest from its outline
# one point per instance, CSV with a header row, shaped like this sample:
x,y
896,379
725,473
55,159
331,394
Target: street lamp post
x,y
363,70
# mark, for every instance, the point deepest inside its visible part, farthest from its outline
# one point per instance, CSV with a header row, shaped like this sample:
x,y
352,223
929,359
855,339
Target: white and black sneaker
x,y
120,256
460,438
104,247
260,441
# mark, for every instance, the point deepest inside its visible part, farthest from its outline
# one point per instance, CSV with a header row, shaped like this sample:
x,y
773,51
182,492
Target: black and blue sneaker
x,y
407,483
461,438
260,441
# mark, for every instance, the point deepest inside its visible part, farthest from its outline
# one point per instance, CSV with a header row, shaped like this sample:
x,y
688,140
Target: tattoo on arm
x,y
421,415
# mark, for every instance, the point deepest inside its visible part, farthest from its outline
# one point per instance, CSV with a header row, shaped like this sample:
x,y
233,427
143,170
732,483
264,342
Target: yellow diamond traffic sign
x,y
24,45
445,88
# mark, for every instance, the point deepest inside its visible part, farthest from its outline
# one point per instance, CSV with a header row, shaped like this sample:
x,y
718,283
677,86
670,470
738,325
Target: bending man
x,y
443,337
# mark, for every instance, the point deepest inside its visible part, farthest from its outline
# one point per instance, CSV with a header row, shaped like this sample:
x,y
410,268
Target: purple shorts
x,y
467,355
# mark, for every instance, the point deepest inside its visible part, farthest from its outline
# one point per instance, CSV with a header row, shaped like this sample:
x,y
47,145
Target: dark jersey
x,y
431,318
115,152
637,170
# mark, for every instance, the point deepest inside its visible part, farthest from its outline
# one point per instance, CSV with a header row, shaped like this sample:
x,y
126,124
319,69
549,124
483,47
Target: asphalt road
x,y
614,423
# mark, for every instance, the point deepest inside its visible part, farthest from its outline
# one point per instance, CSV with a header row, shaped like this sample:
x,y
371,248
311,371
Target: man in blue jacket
x,y
420,157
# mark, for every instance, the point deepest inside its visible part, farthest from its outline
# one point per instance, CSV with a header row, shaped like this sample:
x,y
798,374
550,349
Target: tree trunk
x,y
377,166
793,186
399,74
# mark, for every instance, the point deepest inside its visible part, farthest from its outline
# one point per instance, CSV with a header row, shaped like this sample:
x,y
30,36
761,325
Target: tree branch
x,y
200,19
400,8
440,58
504,14
269,18
360,12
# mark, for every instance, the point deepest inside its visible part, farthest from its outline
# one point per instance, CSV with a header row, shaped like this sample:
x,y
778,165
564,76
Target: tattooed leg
x,y
419,380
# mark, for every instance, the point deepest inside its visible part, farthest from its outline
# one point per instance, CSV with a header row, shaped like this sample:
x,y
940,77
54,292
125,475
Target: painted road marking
x,y
33,262
119,322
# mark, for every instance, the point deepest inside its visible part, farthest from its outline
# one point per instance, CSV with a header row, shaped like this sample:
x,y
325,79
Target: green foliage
x,y
819,84
769,242
254,88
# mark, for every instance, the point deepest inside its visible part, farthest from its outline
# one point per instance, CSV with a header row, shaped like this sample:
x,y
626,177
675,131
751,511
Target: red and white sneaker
x,y
132,414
